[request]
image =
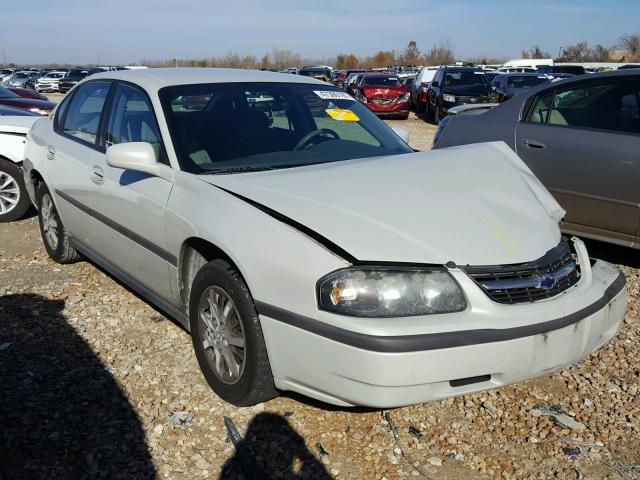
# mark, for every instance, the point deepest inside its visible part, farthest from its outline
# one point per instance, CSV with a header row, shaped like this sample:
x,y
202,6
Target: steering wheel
x,y
301,145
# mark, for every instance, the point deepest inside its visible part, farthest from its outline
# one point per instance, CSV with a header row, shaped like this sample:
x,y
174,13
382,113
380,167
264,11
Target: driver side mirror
x,y
137,156
494,88
435,84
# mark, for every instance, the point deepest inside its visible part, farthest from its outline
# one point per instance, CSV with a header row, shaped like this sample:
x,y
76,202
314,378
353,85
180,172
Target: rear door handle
x,y
97,175
534,144
51,152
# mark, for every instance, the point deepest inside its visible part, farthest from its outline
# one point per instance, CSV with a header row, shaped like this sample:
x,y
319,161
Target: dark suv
x,y
74,76
452,86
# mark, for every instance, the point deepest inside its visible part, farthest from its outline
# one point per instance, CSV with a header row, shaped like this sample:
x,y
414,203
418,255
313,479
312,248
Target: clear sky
x,y
126,31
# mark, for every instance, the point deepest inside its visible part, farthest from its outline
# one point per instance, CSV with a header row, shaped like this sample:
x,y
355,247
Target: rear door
x,y
70,152
582,141
129,207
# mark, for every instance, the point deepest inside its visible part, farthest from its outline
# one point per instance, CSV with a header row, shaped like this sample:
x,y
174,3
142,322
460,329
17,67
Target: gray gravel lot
x,y
90,374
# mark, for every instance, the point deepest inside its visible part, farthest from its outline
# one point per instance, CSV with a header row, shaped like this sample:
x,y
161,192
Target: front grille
x,y
463,99
546,277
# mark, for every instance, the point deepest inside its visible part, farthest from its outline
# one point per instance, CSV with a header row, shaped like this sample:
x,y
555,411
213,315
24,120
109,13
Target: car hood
x,y
473,205
22,102
17,124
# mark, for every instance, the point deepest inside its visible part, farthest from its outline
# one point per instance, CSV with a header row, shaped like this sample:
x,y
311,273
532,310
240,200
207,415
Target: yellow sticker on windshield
x,y
342,115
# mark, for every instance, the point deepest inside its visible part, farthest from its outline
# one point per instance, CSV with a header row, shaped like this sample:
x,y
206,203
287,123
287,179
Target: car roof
x,y
153,79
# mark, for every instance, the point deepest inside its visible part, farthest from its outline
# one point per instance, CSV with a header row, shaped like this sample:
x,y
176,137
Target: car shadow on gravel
x,y
63,414
273,449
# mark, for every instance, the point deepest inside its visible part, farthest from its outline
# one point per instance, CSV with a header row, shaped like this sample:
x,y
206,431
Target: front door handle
x,y
529,143
97,175
51,152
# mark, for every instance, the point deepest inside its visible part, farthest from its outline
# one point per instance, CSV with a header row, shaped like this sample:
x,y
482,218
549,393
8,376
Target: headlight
x,y
449,98
390,292
404,98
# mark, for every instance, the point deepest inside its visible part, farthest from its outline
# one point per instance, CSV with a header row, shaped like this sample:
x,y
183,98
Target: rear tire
x,y
14,200
229,346
54,235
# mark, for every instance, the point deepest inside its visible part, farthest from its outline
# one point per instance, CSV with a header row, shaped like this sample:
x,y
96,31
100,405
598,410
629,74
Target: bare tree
x,y
630,45
411,54
535,52
440,54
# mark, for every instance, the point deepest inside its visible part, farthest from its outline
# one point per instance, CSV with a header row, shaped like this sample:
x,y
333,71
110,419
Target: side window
x,y
611,106
83,118
60,112
540,108
132,120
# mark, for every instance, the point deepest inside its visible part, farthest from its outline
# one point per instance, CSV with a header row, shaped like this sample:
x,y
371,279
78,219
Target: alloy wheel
x,y
9,193
222,334
49,221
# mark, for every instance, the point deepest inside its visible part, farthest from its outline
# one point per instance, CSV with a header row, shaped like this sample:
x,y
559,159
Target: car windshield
x,y
236,127
21,75
6,93
457,78
77,73
526,81
54,75
381,81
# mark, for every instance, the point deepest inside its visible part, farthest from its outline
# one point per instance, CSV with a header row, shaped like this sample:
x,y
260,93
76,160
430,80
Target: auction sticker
x,y
333,95
342,115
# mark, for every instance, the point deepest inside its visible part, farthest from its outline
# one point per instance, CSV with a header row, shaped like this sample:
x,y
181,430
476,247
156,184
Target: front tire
x,y
14,201
227,336
54,235
437,116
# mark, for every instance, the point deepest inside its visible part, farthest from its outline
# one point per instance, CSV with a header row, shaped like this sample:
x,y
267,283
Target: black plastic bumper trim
x,y
435,341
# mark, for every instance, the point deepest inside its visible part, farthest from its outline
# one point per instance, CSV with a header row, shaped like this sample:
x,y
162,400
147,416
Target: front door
x,y
129,207
583,142
70,153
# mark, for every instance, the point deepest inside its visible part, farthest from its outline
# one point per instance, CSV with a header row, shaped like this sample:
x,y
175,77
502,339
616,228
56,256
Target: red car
x,y
384,94
10,99
27,93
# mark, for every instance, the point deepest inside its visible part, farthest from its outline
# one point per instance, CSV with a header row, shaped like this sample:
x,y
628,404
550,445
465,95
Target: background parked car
x,y
5,73
351,82
50,82
453,86
14,199
581,137
74,76
384,94
17,79
419,87
16,112
27,93
553,69
513,84
319,73
10,99
33,78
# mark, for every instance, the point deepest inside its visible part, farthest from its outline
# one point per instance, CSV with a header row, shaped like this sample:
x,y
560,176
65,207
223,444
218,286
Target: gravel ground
x,y
92,376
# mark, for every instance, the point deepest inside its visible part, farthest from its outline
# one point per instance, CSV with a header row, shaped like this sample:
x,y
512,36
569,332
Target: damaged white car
x,y
306,247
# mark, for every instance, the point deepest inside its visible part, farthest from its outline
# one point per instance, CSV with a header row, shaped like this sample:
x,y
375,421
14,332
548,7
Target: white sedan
x,y
306,247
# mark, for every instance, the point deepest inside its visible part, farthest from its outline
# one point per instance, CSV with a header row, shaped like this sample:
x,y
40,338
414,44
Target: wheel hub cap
x,y
9,193
49,221
222,334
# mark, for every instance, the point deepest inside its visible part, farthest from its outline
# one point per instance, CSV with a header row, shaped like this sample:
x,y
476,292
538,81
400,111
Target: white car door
x,y
70,149
128,206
